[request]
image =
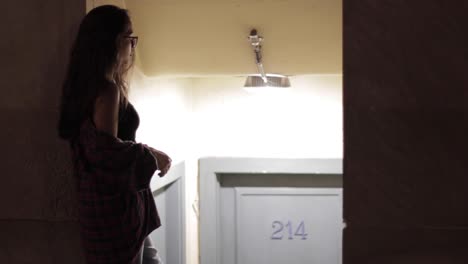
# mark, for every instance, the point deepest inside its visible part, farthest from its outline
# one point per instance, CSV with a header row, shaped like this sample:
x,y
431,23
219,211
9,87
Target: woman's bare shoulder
x,y
108,88
106,109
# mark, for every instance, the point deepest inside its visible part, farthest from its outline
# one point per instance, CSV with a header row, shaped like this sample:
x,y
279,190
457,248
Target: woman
x,y
116,207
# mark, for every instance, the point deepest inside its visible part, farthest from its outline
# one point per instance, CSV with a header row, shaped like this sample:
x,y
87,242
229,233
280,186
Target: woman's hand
x,y
164,161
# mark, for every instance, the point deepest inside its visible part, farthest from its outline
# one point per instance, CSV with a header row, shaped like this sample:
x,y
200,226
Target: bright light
x,y
267,90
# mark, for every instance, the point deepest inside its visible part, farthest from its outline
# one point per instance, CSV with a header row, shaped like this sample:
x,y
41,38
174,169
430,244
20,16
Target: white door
x,y
277,219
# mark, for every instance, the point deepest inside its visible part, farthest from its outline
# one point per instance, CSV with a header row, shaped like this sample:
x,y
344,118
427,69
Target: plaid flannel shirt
x,y
116,206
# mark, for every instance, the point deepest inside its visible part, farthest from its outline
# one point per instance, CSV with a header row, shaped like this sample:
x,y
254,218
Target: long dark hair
x,y
95,54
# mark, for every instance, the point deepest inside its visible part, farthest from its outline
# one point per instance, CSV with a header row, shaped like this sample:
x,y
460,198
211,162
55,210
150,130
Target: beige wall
x,y
90,4
209,37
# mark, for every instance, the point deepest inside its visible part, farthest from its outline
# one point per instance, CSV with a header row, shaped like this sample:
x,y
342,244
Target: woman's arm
x,y
163,160
106,110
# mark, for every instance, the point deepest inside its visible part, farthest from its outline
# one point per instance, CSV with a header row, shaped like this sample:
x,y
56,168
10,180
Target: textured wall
x,y
405,126
209,37
37,212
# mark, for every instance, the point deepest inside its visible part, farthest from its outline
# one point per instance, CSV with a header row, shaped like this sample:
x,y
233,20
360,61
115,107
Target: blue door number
x,y
278,227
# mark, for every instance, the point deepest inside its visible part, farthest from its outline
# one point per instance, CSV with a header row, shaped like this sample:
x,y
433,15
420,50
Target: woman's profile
x,y
116,206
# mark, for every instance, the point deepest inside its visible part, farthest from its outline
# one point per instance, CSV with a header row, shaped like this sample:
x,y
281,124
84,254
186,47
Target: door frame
x,y
210,168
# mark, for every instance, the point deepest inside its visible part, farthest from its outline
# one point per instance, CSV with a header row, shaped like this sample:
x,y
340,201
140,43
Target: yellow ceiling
x,y
209,37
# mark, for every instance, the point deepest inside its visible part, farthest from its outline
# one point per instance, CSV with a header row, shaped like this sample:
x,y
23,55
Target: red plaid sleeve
x,y
116,205
121,165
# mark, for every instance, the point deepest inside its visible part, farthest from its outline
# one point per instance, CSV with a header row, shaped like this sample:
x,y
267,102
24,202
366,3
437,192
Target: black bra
x,y
128,122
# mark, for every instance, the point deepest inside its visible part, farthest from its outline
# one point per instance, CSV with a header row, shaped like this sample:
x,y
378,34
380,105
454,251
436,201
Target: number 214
x,y
278,228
